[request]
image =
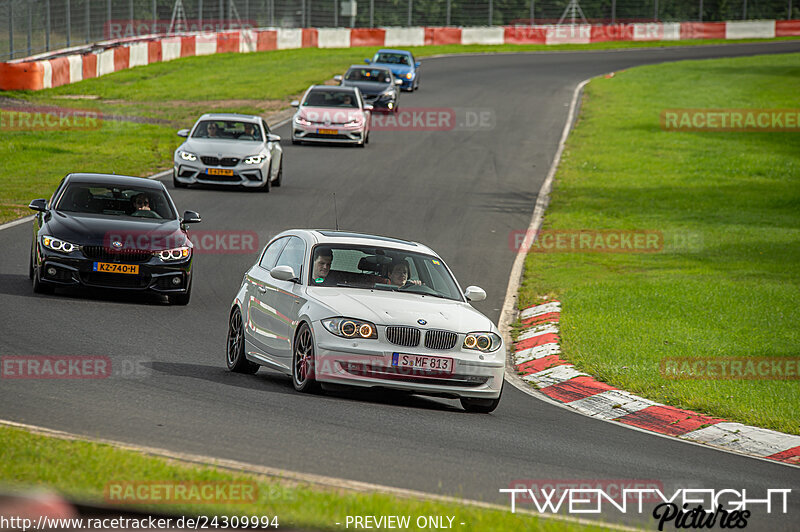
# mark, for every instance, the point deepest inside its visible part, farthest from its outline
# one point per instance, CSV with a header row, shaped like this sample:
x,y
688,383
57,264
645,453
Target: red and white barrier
x,y
71,66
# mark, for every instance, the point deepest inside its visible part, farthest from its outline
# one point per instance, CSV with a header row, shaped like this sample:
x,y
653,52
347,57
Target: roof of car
x,y
371,67
230,116
391,51
113,179
330,236
334,88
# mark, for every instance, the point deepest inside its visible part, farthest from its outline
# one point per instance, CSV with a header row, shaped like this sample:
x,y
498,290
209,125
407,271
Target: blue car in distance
x,y
402,65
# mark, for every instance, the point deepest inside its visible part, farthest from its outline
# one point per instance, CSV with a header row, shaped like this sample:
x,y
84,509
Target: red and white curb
x,y
537,360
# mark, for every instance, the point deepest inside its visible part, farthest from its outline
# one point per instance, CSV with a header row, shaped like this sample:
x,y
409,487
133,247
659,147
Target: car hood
x,y
396,69
223,148
97,230
368,88
394,308
330,115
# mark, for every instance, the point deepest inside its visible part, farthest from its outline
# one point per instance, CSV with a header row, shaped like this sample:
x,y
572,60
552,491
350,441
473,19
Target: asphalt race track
x,y
462,192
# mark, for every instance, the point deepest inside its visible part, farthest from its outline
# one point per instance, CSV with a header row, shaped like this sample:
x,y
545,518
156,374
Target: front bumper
x,y
368,363
343,135
242,175
387,104
76,270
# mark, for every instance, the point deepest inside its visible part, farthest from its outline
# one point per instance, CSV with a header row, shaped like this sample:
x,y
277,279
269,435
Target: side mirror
x,y
273,138
417,64
398,81
295,103
38,205
283,273
183,133
368,107
475,293
338,78
191,217
367,61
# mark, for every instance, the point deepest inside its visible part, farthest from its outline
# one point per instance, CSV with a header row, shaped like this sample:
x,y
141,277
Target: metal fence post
x,y
491,8
701,10
221,13
447,14
88,23
200,14
302,13
47,25
108,16
744,9
655,10
309,13
372,12
613,11
11,29
69,25
789,13
272,13
410,5
130,14
533,12
335,13
30,25
155,18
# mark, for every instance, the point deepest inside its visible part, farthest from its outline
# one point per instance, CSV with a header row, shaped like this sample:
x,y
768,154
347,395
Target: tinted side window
x,y
292,255
272,252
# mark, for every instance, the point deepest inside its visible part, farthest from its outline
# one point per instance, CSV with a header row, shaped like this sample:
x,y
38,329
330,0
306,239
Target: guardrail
x,y
75,64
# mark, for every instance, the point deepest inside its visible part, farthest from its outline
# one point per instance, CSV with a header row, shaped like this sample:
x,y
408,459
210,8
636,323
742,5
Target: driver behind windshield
x,y
141,202
398,274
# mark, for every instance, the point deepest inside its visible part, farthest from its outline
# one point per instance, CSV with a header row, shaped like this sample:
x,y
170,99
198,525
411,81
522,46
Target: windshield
x,y
376,75
392,59
323,98
227,130
381,269
87,198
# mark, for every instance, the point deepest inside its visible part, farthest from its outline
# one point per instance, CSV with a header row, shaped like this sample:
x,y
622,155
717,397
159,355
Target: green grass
x,y
82,470
732,290
174,94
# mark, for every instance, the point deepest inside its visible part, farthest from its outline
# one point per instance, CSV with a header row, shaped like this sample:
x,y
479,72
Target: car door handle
x,y
262,289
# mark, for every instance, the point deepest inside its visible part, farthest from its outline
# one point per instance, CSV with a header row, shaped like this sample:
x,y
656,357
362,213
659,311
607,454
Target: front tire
x,y
279,178
38,286
235,357
480,406
265,187
303,361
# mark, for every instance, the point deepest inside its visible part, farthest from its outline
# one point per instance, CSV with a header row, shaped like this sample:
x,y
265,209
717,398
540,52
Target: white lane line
x,y
306,478
743,438
9,225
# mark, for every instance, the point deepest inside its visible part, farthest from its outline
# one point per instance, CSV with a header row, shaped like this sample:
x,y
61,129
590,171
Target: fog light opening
x,y
51,271
176,280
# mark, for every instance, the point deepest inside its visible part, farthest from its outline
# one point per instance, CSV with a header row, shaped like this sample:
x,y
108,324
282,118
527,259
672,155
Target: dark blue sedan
x,y
402,65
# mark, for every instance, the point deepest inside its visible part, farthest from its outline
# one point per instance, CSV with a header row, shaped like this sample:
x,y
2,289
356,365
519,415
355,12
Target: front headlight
x,y
302,121
351,328
58,245
410,75
254,159
186,156
168,255
486,342
353,123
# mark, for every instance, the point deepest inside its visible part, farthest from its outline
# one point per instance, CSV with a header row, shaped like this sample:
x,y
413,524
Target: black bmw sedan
x,y
377,84
111,231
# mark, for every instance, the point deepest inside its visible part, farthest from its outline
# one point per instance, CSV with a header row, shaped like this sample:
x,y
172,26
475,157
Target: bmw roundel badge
x,y
116,244
421,321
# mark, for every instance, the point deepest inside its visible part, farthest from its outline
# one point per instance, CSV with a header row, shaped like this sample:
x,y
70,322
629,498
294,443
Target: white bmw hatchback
x,y
333,307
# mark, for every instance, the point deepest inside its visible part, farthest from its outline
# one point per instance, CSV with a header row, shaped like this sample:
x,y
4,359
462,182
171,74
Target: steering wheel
x,y
146,214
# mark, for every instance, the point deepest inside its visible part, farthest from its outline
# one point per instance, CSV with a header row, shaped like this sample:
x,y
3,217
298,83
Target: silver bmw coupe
x,y
332,307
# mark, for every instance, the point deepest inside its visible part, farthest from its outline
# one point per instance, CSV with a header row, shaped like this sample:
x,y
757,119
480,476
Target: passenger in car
x,y
398,274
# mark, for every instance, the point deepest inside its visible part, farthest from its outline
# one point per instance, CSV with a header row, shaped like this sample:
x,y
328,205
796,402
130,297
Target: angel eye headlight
x,y
58,245
174,254
186,156
485,342
350,328
254,159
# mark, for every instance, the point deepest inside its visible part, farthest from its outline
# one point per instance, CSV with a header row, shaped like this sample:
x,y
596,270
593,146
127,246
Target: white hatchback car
x,y
362,310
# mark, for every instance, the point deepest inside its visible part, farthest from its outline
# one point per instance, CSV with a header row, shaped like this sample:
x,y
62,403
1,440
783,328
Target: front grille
x,y
215,161
440,339
224,178
116,280
406,336
110,254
